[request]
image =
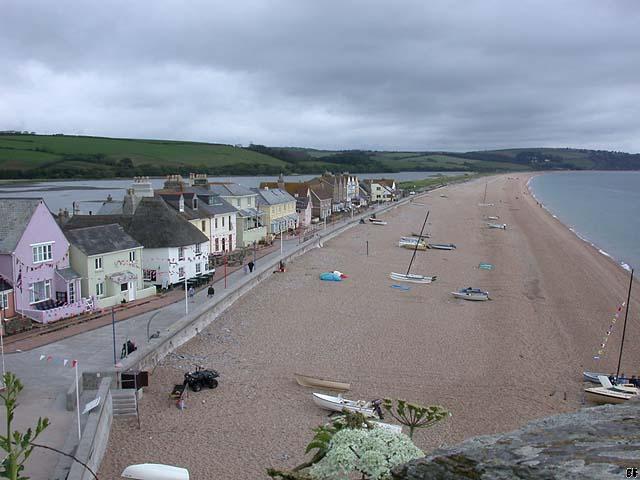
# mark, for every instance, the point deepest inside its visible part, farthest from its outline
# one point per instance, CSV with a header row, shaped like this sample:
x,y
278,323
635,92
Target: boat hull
x,y
603,395
412,246
337,404
400,277
317,382
438,246
470,296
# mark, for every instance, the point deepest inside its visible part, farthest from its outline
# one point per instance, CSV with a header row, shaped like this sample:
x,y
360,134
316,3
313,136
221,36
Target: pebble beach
x,y
494,365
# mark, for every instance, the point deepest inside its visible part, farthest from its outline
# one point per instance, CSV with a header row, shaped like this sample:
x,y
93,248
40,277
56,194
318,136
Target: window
x,y
181,253
99,289
198,268
230,222
204,226
42,252
4,300
181,272
217,244
132,256
40,291
149,275
238,202
72,293
124,287
195,203
222,222
215,221
198,249
98,263
230,242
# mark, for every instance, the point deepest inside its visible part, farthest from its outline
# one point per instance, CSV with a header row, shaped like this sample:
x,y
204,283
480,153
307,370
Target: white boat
x,y
375,221
593,377
338,404
155,471
485,204
495,217
441,246
502,226
412,278
608,393
474,294
442,195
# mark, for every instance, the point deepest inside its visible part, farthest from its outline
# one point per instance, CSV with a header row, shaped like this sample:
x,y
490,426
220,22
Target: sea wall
x,y
592,443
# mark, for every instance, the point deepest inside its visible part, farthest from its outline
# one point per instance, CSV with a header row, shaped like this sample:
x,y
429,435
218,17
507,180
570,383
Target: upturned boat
x,y
319,382
338,404
155,471
412,278
473,294
502,226
412,243
608,393
441,246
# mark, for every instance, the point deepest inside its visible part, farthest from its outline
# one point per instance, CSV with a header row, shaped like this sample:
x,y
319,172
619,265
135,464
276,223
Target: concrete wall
x,y
95,435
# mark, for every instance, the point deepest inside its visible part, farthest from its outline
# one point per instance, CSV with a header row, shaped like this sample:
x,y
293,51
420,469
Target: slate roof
x,y
154,224
299,188
113,207
68,273
219,207
230,189
101,239
15,214
274,197
321,190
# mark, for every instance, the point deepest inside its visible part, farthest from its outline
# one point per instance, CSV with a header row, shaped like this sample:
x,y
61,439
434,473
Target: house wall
x,y
9,310
167,263
198,223
222,227
249,234
275,212
42,228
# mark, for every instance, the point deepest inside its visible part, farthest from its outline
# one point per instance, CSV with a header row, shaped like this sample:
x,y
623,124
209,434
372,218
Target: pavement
x,y
94,347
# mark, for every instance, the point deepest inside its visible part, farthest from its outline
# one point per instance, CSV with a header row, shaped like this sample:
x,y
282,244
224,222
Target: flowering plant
x,y
371,452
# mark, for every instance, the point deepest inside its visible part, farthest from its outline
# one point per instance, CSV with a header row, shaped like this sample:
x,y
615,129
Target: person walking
x,y
210,291
251,265
192,293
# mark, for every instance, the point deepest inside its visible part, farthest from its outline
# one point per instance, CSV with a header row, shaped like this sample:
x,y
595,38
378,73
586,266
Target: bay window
x,y
40,291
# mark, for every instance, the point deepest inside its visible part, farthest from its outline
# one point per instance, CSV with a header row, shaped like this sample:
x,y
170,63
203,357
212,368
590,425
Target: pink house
x,y
34,260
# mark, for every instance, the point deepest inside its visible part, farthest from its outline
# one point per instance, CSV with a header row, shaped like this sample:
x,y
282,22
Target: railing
x,y
58,313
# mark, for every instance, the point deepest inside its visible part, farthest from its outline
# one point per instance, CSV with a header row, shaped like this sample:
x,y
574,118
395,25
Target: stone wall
x,y
592,443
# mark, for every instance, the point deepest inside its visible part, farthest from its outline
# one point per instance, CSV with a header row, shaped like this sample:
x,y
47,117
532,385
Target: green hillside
x,y
64,156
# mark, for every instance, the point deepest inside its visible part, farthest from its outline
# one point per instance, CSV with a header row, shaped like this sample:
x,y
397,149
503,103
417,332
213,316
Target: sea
x,y
89,194
600,207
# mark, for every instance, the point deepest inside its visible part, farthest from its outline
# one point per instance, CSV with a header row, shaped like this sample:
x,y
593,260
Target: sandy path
x,y
495,365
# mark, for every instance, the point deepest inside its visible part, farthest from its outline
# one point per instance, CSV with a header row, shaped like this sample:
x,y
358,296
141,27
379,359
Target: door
x,y
132,291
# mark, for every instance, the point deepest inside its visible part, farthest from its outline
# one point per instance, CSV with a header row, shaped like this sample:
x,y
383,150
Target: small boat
x,y
412,243
319,382
441,246
337,404
608,393
155,471
495,217
412,277
474,294
442,195
502,226
375,221
593,377
485,204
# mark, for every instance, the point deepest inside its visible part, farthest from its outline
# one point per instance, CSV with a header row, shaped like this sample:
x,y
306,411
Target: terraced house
x,y
279,210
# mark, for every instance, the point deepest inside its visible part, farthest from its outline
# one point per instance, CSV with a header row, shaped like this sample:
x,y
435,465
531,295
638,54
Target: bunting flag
x,y
65,362
603,345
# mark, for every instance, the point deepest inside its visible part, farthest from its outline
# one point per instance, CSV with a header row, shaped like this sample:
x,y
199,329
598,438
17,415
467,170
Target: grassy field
x,y
425,183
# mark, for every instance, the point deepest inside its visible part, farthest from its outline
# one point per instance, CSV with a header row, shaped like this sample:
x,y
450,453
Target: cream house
x,y
279,210
110,264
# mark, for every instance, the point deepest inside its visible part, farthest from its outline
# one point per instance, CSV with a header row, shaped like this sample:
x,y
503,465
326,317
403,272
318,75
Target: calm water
x,y
91,193
603,208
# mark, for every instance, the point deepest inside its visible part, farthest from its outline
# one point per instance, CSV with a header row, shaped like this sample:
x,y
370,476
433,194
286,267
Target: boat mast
x,y
624,327
417,242
484,199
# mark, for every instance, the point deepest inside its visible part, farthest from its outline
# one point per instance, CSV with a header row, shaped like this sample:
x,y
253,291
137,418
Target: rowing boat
x,y
474,294
319,382
441,246
338,404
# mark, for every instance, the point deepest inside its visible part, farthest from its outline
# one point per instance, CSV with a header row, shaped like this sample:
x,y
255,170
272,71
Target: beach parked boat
x,y
494,217
413,278
441,246
337,404
502,226
408,277
410,242
474,294
375,221
592,377
608,393
442,195
319,382
155,471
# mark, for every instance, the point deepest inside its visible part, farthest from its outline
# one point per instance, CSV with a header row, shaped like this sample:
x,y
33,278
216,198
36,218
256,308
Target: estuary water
x,y
602,208
89,194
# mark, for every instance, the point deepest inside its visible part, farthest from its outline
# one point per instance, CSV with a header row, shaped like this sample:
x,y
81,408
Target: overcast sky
x,y
401,75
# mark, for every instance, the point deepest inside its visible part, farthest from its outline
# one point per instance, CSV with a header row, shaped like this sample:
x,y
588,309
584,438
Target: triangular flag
x,y
74,363
49,358
65,361
42,357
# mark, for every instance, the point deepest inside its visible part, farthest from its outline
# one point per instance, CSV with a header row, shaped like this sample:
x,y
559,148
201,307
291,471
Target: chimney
x,y
281,182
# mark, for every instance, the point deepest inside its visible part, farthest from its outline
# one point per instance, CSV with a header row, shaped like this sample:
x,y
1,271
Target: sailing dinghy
x,y
473,294
502,226
413,278
608,393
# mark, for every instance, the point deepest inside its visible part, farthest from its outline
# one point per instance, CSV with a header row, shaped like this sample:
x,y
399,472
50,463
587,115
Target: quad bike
x,y
201,378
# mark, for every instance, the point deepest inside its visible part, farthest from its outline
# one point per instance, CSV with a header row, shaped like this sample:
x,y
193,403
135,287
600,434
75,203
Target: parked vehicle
x,y
201,378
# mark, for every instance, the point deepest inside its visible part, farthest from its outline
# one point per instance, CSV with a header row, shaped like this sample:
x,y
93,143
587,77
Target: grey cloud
x,y
455,74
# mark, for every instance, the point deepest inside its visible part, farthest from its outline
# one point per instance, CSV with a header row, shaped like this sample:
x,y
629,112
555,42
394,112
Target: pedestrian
x,y
192,293
246,269
210,291
251,265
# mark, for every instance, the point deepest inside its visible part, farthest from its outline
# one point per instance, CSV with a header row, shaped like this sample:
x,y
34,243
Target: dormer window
x,y
195,202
